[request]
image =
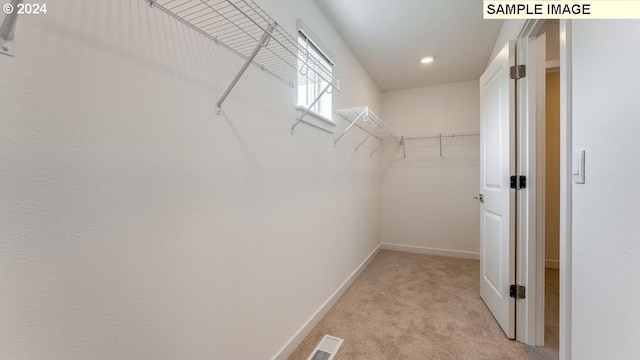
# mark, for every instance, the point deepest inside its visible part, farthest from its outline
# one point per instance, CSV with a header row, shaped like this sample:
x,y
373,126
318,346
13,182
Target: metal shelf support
x,y
8,28
326,88
264,41
361,143
365,111
376,149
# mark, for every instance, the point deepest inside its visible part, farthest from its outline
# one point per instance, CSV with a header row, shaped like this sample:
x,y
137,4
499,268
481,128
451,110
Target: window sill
x,y
316,120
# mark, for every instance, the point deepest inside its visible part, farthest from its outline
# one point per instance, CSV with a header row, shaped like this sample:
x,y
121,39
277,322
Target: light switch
x,y
577,167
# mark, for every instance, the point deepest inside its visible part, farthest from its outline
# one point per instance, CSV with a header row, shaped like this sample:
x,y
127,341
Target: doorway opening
x,y
539,316
547,193
552,188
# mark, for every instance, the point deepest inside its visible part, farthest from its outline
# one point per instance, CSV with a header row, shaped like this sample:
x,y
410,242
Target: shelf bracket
x,y
376,149
264,41
361,143
8,27
350,126
404,151
306,111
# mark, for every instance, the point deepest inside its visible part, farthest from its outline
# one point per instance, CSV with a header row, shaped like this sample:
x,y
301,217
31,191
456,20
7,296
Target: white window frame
x,y
307,93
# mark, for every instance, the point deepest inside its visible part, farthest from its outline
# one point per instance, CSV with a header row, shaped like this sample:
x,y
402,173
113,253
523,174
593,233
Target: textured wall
x,y
606,209
428,200
137,224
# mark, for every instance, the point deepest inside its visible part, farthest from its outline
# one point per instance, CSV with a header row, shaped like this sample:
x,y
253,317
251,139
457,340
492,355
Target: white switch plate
x,y
577,167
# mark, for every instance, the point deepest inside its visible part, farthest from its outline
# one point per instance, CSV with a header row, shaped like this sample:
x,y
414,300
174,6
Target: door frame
x,y
566,186
530,263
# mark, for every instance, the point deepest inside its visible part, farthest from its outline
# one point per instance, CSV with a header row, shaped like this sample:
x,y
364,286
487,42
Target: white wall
x,y
606,209
427,200
137,224
509,31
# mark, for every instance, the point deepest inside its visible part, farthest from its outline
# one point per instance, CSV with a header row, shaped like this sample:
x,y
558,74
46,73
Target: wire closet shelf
x,y
365,119
438,137
245,29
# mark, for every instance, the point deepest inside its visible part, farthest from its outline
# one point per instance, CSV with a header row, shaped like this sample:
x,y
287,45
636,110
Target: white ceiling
x,y
390,36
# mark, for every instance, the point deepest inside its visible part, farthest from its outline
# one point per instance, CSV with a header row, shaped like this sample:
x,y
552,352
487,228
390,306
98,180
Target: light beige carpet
x,y
414,307
551,319
552,308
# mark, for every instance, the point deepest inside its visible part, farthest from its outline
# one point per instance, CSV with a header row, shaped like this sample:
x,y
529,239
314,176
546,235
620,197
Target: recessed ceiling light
x,y
427,59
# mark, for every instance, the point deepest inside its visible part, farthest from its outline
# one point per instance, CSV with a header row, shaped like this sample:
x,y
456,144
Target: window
x,y
310,85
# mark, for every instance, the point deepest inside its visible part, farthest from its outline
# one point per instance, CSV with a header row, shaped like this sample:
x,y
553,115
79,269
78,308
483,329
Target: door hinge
x,y
517,291
518,72
518,182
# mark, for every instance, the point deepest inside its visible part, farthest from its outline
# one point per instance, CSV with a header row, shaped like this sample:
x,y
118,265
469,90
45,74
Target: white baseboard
x,y
553,264
431,251
301,334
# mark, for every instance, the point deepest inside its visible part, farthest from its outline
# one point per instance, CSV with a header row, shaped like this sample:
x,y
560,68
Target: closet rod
x,y
440,136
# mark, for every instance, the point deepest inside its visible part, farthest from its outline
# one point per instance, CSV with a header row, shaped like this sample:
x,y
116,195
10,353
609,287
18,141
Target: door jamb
x,y
530,244
530,251
566,146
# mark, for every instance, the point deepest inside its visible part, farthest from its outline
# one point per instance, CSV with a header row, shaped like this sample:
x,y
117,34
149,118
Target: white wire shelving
x,y
439,137
245,29
364,118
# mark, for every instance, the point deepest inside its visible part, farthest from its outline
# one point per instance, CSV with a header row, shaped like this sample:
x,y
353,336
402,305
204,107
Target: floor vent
x,y
327,348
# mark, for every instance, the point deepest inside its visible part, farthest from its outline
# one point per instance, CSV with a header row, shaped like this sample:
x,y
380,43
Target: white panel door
x,y
497,206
